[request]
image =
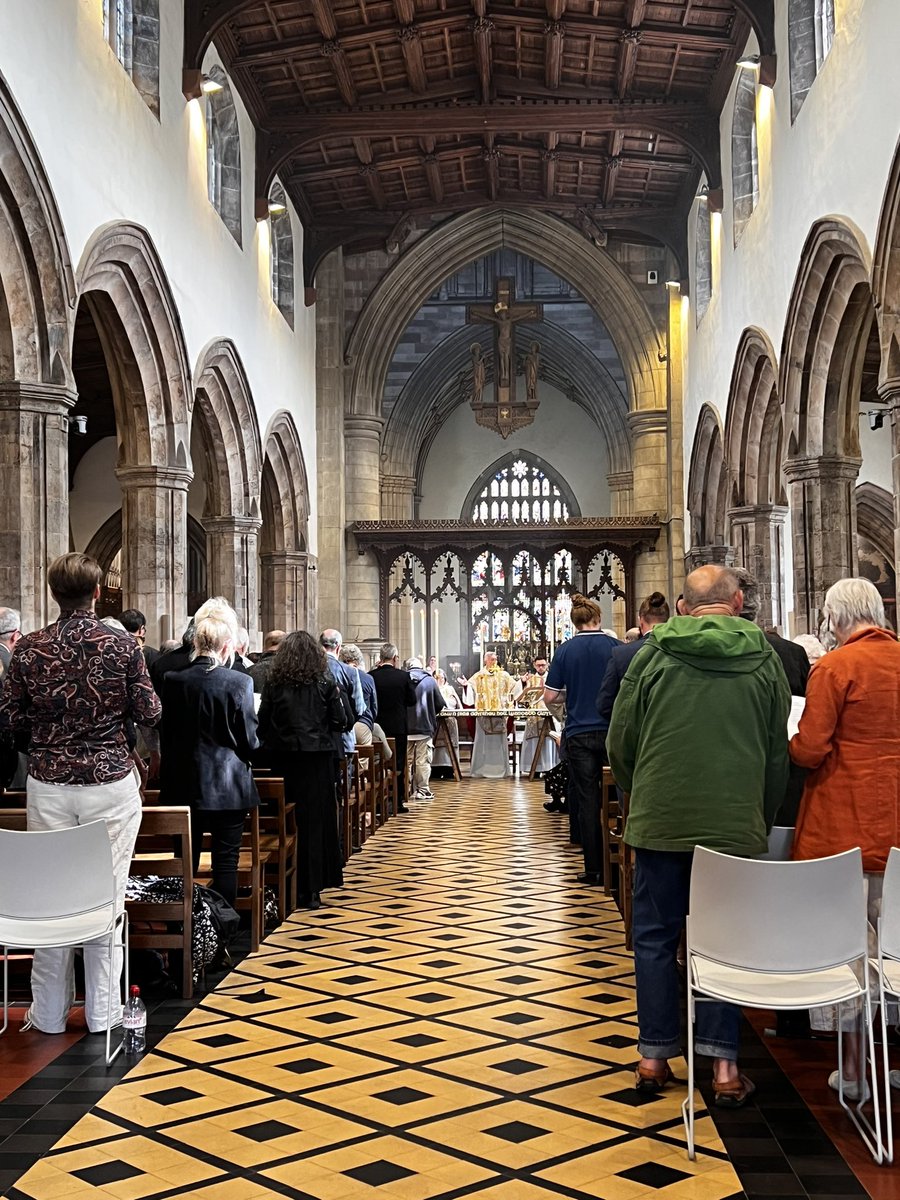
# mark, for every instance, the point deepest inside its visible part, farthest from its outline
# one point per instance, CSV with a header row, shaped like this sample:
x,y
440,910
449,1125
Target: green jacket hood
x,y
723,644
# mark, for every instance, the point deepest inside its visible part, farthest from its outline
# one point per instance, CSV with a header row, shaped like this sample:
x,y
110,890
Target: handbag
x,y
341,715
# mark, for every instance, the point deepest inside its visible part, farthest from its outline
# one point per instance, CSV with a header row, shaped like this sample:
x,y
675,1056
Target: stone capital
x,y
363,426
289,558
229,524
821,466
398,483
648,420
50,398
749,514
620,481
889,392
176,478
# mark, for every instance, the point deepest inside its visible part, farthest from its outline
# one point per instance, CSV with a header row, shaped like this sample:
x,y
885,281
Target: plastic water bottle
x,y
134,1022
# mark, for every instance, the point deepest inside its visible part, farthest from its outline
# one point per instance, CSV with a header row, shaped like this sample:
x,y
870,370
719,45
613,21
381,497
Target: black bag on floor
x,y
223,917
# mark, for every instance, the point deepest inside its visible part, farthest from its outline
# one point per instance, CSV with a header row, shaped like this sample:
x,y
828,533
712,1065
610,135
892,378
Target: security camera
x,y
876,419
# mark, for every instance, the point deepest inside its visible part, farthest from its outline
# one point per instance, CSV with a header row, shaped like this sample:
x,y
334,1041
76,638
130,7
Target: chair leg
x,y
111,1054
5,990
871,1135
885,1062
688,1106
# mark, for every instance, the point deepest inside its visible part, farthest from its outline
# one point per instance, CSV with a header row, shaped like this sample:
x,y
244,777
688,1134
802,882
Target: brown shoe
x,y
646,1080
735,1093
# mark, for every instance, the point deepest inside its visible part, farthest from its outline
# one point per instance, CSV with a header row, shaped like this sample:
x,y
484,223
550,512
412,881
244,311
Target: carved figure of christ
x,y
504,314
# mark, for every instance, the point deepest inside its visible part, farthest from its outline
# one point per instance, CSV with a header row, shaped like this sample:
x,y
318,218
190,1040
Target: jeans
x,y
60,806
226,829
662,880
421,750
586,755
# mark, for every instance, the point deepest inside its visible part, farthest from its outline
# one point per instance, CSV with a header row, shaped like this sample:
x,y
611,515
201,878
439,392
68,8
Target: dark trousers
x,y
225,828
662,882
400,744
586,756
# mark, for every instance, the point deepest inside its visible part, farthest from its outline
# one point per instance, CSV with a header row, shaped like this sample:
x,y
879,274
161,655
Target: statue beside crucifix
x,y
505,414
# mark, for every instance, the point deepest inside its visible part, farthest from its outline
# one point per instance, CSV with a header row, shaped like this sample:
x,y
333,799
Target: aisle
x,y
458,1021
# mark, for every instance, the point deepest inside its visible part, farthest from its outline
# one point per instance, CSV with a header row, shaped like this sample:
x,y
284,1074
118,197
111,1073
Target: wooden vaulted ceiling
x,y
373,112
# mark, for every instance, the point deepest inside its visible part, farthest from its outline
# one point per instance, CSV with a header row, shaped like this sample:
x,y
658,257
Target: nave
x,y
458,1020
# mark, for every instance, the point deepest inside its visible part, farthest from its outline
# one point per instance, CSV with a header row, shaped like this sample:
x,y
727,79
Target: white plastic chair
x,y
888,964
57,889
785,936
781,842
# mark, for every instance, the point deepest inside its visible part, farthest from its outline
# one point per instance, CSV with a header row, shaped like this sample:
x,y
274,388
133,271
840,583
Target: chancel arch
x,y
830,365
707,493
286,567
230,452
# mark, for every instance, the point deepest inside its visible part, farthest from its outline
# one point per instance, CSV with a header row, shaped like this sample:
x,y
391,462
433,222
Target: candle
x,y
424,650
435,649
412,632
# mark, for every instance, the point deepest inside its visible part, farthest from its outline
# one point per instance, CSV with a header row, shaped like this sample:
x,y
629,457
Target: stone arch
x,y
284,559
459,241
37,285
744,153
707,490
875,517
886,277
753,433
223,154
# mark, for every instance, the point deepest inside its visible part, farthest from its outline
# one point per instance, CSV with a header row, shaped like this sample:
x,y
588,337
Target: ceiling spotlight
x,y
673,283
276,208
749,62
208,85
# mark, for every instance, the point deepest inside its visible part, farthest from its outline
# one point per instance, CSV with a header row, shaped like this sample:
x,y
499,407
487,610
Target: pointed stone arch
x,y
875,517
229,436
708,492
285,563
886,278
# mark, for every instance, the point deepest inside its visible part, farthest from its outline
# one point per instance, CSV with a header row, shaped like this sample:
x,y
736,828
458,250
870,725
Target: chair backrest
x,y
777,916
58,872
781,842
890,906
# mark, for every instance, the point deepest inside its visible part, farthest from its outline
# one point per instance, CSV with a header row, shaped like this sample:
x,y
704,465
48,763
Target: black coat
x,y
619,662
207,738
295,716
794,660
396,693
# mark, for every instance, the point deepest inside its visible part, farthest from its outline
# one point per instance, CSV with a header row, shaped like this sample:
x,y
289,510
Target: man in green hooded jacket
x,y
699,739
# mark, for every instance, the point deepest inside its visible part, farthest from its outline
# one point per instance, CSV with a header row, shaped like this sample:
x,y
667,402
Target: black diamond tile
x,y
448,937
175,1095
289,964
518,949
387,925
332,1018
517,1018
516,1066
266,1131
302,1066
376,1174
220,1040
516,1131
430,997
259,997
518,925
353,980
653,1175
633,1098
303,937
443,963
402,1095
367,950
617,1040
418,1040
110,1172
517,979
604,998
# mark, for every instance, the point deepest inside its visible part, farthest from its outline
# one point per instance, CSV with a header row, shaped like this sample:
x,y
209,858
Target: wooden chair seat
x,y
163,848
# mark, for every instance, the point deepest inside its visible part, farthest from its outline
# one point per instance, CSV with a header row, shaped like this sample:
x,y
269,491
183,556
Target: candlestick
x,y
412,632
424,650
436,647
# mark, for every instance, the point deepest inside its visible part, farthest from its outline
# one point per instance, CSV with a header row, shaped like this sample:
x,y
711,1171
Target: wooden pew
x,y
278,837
164,848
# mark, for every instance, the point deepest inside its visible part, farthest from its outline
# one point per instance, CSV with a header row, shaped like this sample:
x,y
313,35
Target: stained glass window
x,y
522,490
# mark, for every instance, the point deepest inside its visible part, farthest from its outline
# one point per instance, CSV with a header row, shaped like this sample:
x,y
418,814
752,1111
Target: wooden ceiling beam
x,y
411,45
554,43
549,159
481,39
613,163
614,217
432,165
202,21
761,15
630,39
491,155
332,49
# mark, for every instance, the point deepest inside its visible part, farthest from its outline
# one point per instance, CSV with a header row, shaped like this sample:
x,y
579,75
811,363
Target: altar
x,y
442,734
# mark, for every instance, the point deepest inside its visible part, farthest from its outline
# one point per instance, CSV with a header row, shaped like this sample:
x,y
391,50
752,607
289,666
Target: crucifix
x,y
504,314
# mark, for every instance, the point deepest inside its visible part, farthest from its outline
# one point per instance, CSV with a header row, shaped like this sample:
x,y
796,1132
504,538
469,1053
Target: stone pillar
x,y
363,459
758,537
232,551
649,432
331,500
34,494
284,590
679,314
621,493
701,556
154,546
398,498
889,392
823,530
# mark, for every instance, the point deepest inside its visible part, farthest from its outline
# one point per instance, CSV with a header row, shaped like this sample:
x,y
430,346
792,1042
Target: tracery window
x,y
282,253
223,154
810,37
131,28
703,259
520,489
744,154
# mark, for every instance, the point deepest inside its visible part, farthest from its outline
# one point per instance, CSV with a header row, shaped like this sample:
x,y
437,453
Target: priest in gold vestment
x,y
491,690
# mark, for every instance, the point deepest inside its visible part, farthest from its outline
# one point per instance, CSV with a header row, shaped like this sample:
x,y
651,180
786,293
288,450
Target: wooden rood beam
x,y
554,42
481,36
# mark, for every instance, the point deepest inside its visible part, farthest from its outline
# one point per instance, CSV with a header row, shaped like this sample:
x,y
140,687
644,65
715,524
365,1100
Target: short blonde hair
x,y
212,635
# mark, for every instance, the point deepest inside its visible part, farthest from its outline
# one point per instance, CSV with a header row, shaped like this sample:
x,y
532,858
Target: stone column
x,y
398,498
679,314
621,493
758,537
363,466
701,556
331,505
823,530
34,494
889,392
232,551
649,432
285,590
154,546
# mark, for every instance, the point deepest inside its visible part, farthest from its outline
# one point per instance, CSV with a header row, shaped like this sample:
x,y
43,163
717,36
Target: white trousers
x,y
60,806
420,751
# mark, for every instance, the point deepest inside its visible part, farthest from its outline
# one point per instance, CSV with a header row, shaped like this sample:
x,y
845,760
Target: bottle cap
x,y
135,990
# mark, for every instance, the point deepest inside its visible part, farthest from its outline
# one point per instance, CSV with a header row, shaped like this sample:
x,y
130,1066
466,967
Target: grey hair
x,y
353,655
852,602
10,622
750,588
388,652
243,639
724,586
811,644
412,663
330,639
114,623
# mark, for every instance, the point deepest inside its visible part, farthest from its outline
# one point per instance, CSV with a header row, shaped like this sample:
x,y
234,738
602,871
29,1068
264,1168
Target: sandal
x,y
646,1080
735,1093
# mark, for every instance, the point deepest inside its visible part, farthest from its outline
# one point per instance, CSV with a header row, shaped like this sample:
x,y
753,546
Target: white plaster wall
x,y
833,161
95,493
109,159
562,434
876,451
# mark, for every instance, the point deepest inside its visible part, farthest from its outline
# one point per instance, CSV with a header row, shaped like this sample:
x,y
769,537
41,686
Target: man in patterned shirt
x,y
70,689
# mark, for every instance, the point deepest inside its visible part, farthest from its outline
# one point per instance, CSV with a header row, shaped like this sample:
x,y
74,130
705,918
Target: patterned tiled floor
x,y
458,1021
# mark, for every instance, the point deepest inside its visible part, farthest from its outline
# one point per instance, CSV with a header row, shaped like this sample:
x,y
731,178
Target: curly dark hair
x,y
299,659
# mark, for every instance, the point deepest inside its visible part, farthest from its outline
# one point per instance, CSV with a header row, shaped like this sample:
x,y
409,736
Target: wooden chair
x,y
349,803
164,848
618,859
278,837
391,784
365,758
14,819
379,781
252,862
14,799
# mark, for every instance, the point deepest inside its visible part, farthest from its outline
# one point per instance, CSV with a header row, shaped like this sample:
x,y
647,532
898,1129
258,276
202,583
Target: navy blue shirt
x,y
619,662
367,683
578,668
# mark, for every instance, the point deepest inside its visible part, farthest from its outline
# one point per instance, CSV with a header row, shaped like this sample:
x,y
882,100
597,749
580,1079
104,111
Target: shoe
x,y
736,1092
851,1086
425,794
590,878
315,901
646,1080
28,1023
538,775
402,808
553,806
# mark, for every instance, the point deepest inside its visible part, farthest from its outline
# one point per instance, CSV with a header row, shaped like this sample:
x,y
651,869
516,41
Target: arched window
x,y
744,153
520,489
223,154
131,27
703,259
282,253
810,35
